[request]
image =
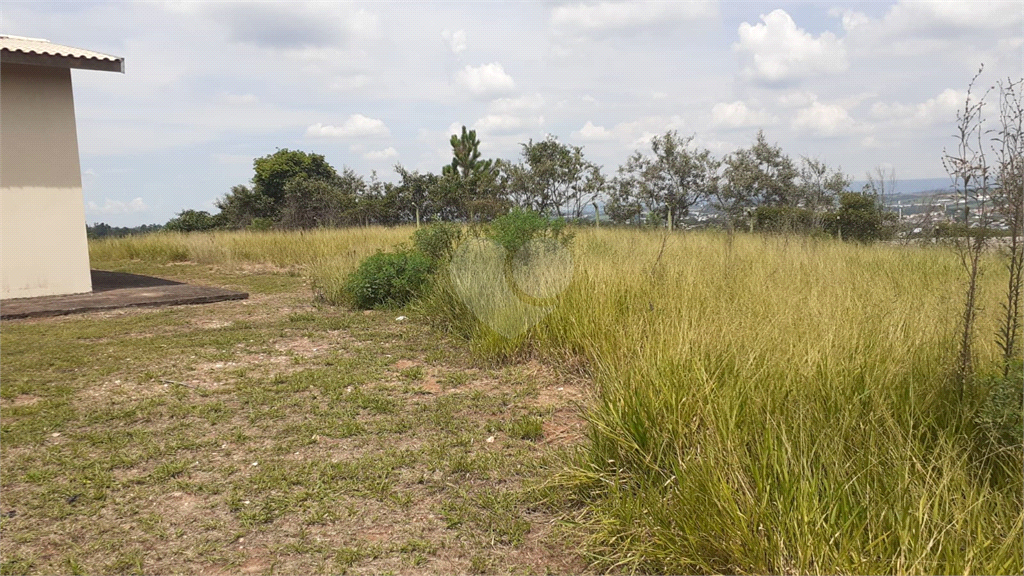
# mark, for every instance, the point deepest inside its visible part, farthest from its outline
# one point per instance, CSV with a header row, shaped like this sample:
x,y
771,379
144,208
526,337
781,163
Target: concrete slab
x,y
117,290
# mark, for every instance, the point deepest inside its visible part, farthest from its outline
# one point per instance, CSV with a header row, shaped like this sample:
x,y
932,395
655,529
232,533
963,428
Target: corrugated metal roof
x,y
40,47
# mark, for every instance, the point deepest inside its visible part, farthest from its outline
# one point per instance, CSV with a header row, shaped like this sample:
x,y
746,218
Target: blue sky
x,y
210,86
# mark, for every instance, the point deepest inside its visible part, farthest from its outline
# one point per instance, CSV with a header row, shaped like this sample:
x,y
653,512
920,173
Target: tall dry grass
x,y
765,404
781,405
326,256
278,248
777,405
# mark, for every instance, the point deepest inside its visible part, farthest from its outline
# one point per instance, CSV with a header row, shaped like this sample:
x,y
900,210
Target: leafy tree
x,y
273,171
737,192
672,179
242,205
191,221
371,204
756,176
414,191
317,202
817,190
623,204
554,177
776,174
266,198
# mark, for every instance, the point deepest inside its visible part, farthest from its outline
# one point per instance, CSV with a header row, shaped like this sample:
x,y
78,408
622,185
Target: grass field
x,y
780,405
754,405
271,436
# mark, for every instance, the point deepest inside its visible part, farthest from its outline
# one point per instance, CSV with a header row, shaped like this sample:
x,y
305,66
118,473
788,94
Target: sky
x,y
210,86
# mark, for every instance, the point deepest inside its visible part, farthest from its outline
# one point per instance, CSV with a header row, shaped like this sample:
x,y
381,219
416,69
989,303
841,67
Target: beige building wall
x,y
42,217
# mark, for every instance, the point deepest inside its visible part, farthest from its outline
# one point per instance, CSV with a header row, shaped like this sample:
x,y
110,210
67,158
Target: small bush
x,y
862,217
515,229
388,279
782,219
438,241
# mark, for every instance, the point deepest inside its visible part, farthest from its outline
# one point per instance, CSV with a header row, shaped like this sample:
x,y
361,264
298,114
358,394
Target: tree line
x,y
754,188
104,230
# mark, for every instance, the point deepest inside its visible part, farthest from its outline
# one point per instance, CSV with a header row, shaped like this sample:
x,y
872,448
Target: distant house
x,y
42,217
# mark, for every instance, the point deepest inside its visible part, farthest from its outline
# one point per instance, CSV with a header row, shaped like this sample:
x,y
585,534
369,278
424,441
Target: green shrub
x,y
781,219
191,221
515,229
1000,417
388,279
438,241
862,217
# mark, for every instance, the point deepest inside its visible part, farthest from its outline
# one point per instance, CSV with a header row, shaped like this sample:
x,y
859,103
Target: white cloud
x,y
738,115
604,18
384,154
356,126
347,83
237,159
953,17
237,99
527,103
941,108
486,80
292,25
591,133
718,147
796,99
456,41
939,30
777,51
853,20
870,142
455,128
638,133
118,207
506,123
824,120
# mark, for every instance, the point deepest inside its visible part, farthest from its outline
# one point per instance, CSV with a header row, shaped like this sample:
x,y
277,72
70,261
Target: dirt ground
x,y
271,436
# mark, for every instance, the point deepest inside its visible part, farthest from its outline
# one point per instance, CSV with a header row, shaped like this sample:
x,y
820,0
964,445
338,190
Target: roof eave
x,y
13,57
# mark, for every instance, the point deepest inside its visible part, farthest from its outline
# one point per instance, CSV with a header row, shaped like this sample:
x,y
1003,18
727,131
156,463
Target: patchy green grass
x,y
269,435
